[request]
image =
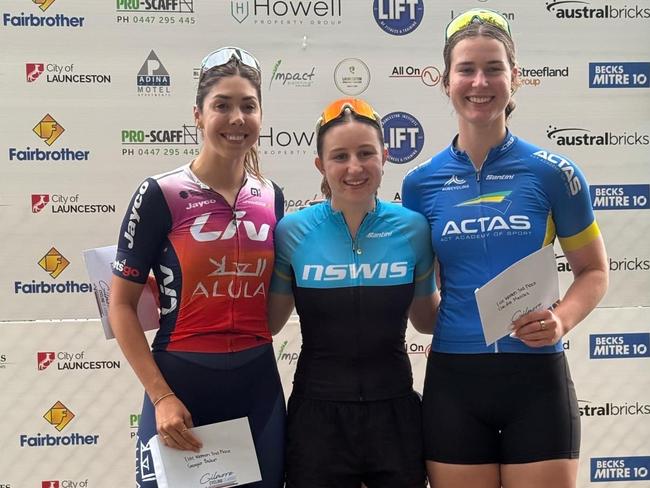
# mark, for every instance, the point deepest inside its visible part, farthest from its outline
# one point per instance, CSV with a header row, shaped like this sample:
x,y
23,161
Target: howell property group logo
x,y
53,263
279,13
58,416
35,20
49,130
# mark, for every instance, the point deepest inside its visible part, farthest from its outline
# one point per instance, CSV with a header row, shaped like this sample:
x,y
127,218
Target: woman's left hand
x,y
538,329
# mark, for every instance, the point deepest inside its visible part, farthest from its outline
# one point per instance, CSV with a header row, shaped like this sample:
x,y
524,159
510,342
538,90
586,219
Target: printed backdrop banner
x,y
98,95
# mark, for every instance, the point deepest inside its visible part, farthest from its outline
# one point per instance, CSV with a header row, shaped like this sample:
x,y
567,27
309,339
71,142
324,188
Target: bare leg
x,y
558,473
443,475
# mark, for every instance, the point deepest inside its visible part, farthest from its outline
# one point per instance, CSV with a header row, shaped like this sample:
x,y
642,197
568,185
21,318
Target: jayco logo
x,y
231,229
134,217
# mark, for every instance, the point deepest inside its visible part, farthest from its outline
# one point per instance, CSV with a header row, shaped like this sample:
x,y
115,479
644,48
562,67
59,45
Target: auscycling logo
x,y
578,136
153,79
62,73
33,20
577,9
48,130
58,416
287,12
297,78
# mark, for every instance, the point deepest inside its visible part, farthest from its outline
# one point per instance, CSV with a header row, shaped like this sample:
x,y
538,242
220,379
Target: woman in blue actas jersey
x,y
503,414
356,266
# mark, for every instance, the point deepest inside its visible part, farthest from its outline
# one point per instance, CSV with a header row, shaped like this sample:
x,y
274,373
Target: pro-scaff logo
x,y
148,6
579,9
404,135
160,142
33,20
153,78
628,468
398,17
619,75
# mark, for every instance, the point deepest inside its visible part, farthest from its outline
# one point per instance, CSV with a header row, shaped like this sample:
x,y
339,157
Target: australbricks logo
x,y
579,136
580,9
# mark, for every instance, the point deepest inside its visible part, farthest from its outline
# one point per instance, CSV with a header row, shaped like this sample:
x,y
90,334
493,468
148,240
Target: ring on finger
x,y
165,437
542,325
184,430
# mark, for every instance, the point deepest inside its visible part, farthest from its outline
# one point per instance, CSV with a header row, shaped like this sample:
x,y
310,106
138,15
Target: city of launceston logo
x,y
33,71
59,416
39,201
44,359
48,129
53,263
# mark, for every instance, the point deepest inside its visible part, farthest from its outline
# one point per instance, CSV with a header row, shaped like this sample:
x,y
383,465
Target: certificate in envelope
x,y
227,458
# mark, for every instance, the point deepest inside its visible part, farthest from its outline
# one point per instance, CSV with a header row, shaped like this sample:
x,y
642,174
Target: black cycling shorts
x,y
342,444
500,408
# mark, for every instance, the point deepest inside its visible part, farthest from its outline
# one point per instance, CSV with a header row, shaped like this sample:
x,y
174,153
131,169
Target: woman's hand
x,y
173,423
538,329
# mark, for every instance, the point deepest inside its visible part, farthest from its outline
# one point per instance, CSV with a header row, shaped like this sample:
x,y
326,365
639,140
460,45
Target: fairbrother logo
x,y
577,136
339,272
579,9
297,79
134,216
67,204
58,416
49,131
71,361
287,12
535,76
53,263
33,20
62,73
565,166
611,409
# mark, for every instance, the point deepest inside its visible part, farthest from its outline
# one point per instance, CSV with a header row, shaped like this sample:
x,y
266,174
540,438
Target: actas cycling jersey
x,y
484,221
212,262
352,296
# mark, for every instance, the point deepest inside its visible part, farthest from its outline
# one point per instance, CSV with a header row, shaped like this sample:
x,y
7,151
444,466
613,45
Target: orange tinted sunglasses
x,y
336,109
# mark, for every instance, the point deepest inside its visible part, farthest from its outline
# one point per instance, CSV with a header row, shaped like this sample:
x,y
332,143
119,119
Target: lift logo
x,y
44,4
44,359
404,135
59,416
48,129
398,17
53,263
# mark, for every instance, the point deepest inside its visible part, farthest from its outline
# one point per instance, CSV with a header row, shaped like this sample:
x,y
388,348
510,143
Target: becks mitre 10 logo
x,y
613,346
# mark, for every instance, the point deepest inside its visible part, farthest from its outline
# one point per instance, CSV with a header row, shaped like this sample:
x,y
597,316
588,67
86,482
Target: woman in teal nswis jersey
x,y
504,414
355,266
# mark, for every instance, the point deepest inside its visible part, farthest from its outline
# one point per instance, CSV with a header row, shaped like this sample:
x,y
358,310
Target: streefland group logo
x,y
428,75
619,75
67,204
53,263
620,197
296,78
48,130
153,79
63,73
276,13
624,468
580,136
404,136
66,361
36,20
58,416
534,76
398,17
598,11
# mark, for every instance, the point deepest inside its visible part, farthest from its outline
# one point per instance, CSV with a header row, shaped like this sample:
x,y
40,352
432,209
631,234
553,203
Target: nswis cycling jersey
x,y
484,221
212,262
352,296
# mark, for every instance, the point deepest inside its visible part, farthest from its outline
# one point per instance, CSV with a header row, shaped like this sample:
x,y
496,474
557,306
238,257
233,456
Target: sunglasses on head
x,y
337,108
477,15
225,54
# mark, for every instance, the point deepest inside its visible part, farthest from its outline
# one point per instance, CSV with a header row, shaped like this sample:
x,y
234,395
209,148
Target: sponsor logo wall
x,y
101,97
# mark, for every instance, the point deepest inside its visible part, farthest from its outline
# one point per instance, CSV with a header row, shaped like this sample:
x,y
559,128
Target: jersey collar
x,y
494,153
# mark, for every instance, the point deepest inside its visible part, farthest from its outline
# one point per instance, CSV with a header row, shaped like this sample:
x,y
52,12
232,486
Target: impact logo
x,y
59,416
295,204
44,360
398,17
429,75
48,129
153,79
611,409
404,135
53,263
620,197
286,356
612,346
578,9
296,79
58,73
287,12
629,468
150,6
619,75
352,76
286,142
32,20
577,136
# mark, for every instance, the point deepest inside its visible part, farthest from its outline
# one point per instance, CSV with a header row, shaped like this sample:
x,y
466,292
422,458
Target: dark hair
x,y
347,116
477,30
211,77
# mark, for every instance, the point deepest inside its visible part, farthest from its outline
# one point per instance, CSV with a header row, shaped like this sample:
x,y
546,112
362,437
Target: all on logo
x,y
44,359
33,71
39,201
